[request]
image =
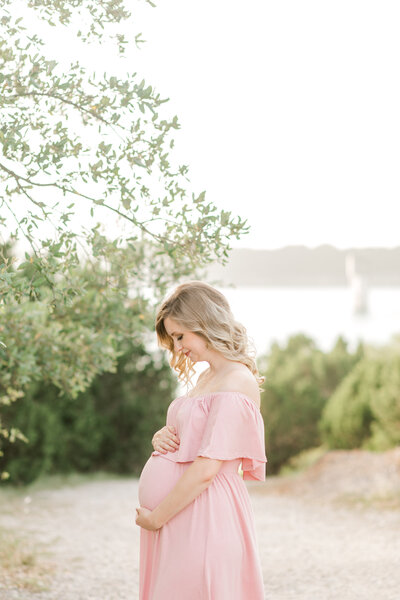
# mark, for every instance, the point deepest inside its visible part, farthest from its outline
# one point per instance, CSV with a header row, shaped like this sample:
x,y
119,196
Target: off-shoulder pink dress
x,y
209,550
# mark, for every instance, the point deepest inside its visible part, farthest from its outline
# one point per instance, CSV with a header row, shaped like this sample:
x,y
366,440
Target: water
x,y
274,314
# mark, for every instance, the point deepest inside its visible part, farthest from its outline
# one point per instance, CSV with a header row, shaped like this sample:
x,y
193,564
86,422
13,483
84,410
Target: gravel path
x,y
309,550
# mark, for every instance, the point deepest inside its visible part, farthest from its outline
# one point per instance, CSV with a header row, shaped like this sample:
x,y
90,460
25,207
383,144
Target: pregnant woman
x,y
197,538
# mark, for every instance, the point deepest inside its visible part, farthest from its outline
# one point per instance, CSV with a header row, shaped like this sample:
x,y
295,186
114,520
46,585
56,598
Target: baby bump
x,y
158,477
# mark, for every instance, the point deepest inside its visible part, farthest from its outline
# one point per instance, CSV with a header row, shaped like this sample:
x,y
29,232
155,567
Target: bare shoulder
x,y
243,381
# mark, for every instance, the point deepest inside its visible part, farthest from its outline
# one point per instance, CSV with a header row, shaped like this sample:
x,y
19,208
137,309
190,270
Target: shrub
x,y
365,409
299,380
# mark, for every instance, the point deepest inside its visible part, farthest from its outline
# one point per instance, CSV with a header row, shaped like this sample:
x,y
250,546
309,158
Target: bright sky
x,y
289,111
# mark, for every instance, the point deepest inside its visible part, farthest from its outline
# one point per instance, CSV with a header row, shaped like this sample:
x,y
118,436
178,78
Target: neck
x,y
218,363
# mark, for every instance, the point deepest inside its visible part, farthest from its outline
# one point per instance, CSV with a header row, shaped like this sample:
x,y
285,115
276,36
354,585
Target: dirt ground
x,y
332,532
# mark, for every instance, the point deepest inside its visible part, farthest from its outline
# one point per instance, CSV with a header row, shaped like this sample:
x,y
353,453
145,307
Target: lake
x,y
274,314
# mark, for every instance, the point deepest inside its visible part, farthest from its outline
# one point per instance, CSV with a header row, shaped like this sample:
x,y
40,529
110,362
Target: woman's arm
x,y
197,478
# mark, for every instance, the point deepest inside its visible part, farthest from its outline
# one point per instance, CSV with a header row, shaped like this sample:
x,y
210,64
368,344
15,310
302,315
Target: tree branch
x,y
80,194
57,97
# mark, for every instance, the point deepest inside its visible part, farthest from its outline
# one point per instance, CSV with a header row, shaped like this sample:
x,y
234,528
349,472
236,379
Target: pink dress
x,y
209,550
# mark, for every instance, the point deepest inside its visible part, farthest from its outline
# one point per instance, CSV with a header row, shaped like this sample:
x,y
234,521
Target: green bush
x,y
109,427
365,409
385,405
299,380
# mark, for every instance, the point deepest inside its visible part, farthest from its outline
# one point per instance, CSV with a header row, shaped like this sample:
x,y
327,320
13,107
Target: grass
x,y
23,564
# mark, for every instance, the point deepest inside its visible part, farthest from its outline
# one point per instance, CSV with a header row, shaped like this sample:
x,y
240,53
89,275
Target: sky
x,y
289,110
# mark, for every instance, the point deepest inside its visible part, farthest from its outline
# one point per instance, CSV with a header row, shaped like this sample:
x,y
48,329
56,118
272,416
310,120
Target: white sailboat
x,y
358,286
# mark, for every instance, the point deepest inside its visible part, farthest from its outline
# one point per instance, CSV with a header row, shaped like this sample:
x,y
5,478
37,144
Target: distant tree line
x,y
302,266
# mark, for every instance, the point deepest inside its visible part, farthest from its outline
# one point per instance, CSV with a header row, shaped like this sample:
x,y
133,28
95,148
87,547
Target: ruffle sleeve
x,y
235,429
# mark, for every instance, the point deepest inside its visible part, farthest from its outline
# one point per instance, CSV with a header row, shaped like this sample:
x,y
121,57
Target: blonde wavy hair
x,y
201,309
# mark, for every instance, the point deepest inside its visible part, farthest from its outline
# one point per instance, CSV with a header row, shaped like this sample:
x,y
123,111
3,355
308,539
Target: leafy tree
x,y
79,148
107,427
74,141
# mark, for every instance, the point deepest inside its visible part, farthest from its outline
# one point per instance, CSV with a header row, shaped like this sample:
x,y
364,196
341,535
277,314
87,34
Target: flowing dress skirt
x,y
209,550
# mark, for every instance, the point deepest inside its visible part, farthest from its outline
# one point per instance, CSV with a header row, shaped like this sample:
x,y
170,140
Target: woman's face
x,y
185,341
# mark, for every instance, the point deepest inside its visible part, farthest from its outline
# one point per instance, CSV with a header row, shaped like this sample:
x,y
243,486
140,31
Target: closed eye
x,y
179,337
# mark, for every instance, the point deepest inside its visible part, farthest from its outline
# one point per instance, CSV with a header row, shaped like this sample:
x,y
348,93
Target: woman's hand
x,y
165,440
144,519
